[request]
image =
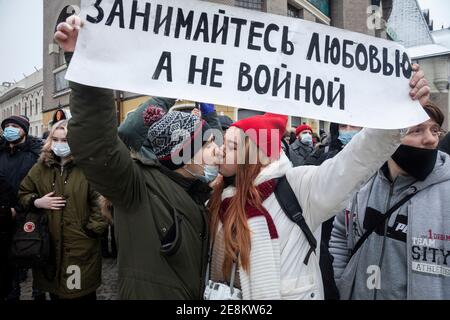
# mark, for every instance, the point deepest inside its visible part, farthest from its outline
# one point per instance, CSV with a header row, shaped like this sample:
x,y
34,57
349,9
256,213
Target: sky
x,y
21,33
21,38
439,12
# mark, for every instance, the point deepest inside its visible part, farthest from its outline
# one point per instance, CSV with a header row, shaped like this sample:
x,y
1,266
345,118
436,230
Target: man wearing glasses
x,y
393,240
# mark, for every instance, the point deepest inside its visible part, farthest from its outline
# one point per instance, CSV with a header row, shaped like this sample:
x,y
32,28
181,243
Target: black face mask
x,y
229,181
417,162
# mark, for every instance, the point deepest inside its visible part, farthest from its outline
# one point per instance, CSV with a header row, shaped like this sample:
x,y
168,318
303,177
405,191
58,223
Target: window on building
x,y
322,5
31,107
293,11
25,110
244,113
31,131
60,82
36,106
36,131
251,4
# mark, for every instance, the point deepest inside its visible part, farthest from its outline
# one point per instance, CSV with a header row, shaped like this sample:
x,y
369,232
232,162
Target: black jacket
x,y
16,162
326,151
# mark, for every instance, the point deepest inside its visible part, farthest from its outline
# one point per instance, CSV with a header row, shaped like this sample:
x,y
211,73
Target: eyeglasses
x,y
436,131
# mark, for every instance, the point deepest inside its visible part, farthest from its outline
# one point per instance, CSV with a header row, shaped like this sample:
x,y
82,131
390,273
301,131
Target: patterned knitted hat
x,y
174,134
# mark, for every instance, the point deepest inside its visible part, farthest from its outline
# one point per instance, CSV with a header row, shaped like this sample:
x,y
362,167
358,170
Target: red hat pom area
x,y
152,114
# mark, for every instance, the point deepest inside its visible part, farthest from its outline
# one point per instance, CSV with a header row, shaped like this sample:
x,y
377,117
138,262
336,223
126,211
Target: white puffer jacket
x,y
277,270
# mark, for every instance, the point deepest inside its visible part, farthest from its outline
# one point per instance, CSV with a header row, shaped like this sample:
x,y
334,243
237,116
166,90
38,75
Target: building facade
x,y
56,88
24,98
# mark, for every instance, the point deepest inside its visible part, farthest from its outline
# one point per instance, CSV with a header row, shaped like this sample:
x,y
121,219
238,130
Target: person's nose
x,y
429,140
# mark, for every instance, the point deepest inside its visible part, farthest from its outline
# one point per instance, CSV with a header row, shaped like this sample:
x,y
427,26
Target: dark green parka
x,y
74,230
160,219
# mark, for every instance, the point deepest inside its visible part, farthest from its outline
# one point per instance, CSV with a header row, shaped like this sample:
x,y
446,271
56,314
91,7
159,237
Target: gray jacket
x,y
298,152
406,258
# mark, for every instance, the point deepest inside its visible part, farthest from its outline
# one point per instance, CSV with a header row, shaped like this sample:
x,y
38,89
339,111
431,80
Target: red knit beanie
x,y
301,128
266,131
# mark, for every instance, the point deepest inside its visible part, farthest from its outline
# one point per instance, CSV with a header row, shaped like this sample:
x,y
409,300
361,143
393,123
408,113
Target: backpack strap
x,y
386,216
289,203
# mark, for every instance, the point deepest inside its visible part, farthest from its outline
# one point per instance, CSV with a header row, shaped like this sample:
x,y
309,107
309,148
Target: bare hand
x,y
420,89
50,203
66,34
216,181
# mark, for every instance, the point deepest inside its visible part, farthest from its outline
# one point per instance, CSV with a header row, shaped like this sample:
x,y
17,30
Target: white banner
x,y
201,51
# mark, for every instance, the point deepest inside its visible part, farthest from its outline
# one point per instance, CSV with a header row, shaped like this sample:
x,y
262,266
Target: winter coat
x,y
409,255
159,216
15,163
298,152
316,158
276,263
74,230
7,194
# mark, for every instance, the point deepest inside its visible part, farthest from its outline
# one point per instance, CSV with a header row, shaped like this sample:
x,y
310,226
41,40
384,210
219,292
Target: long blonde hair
x,y
237,237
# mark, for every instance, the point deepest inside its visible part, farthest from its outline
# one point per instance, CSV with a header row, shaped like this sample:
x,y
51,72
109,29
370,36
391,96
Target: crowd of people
x,y
200,205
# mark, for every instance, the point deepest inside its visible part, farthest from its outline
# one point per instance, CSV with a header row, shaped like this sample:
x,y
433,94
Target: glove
x,y
207,108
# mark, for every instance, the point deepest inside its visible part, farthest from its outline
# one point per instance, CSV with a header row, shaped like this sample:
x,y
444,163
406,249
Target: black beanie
x,y
21,121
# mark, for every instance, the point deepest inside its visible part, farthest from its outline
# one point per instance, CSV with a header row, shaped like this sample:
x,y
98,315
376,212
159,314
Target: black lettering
x,y
167,20
348,60
116,11
223,30
203,70
215,72
318,98
165,63
239,23
271,27
415,252
183,22
375,63
202,28
244,72
314,47
361,50
100,15
306,88
253,34
135,13
287,47
264,88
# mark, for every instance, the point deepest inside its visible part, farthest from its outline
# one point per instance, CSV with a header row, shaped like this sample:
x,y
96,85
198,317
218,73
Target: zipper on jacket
x,y
380,263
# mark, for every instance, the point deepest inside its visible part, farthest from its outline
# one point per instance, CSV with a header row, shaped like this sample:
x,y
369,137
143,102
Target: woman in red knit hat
x,y
256,249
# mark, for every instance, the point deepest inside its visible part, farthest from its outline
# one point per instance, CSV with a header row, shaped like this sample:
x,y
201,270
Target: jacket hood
x,y
440,173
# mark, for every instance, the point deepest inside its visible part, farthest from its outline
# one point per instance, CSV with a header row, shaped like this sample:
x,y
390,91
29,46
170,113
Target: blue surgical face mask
x,y
307,139
61,149
210,173
346,136
11,134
